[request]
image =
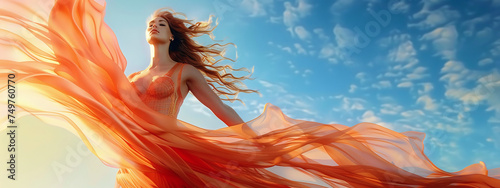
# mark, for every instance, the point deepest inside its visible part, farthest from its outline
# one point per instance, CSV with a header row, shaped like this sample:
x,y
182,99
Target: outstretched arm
x,y
201,90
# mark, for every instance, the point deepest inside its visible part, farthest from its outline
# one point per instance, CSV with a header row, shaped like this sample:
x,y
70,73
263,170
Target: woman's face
x,y
158,31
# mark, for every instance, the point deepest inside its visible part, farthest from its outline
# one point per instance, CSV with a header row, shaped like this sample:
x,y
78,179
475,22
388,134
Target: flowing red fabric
x,y
68,63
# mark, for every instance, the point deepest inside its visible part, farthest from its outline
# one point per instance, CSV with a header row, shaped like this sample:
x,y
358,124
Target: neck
x,y
160,57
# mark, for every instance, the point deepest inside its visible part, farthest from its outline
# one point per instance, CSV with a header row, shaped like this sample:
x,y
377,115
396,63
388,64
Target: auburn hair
x,y
185,49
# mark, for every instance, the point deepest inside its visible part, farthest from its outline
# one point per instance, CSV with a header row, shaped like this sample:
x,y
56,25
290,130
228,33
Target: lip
x,y
154,31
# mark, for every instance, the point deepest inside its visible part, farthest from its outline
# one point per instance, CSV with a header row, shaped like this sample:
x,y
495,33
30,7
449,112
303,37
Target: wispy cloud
x,y
302,33
412,113
426,88
361,76
369,116
399,7
352,88
391,109
403,52
428,102
349,104
444,40
472,87
255,7
430,19
382,84
300,49
272,88
471,24
405,84
417,74
321,34
485,61
344,37
292,14
341,6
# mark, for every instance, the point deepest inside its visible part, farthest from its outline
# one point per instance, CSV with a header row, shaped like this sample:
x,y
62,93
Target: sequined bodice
x,y
162,94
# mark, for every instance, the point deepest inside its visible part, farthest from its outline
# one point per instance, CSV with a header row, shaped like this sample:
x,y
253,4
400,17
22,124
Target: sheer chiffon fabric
x,y
68,63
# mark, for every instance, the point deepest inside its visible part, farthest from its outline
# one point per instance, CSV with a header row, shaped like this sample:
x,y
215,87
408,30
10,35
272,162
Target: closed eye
x,y
160,25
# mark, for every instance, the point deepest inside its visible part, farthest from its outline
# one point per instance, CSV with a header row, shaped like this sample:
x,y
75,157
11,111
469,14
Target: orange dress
x,y
69,64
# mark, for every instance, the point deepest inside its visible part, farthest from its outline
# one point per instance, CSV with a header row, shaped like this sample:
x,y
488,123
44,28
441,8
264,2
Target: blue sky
x,y
429,66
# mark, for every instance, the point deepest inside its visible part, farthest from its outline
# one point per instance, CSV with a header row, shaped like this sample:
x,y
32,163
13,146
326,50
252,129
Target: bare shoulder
x,y
191,72
131,76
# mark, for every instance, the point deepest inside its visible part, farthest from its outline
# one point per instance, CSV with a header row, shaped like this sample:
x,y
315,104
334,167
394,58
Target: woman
x,y
185,56
79,76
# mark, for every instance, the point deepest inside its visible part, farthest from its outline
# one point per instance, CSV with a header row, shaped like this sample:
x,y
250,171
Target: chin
x,y
155,40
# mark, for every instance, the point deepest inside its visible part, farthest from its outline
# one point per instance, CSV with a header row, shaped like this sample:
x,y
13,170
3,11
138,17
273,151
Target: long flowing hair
x,y
185,49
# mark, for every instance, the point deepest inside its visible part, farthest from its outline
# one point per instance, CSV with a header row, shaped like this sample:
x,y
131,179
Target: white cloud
x,y
484,34
485,61
254,7
427,87
302,33
405,84
352,88
392,109
272,88
327,51
292,66
349,104
290,18
489,88
434,18
306,72
470,25
299,105
403,53
369,116
345,45
382,84
276,19
495,51
344,36
418,73
321,34
299,48
341,6
292,14
361,76
399,7
412,113
444,40
394,39
412,62
391,74
287,49
303,8
428,102
453,66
